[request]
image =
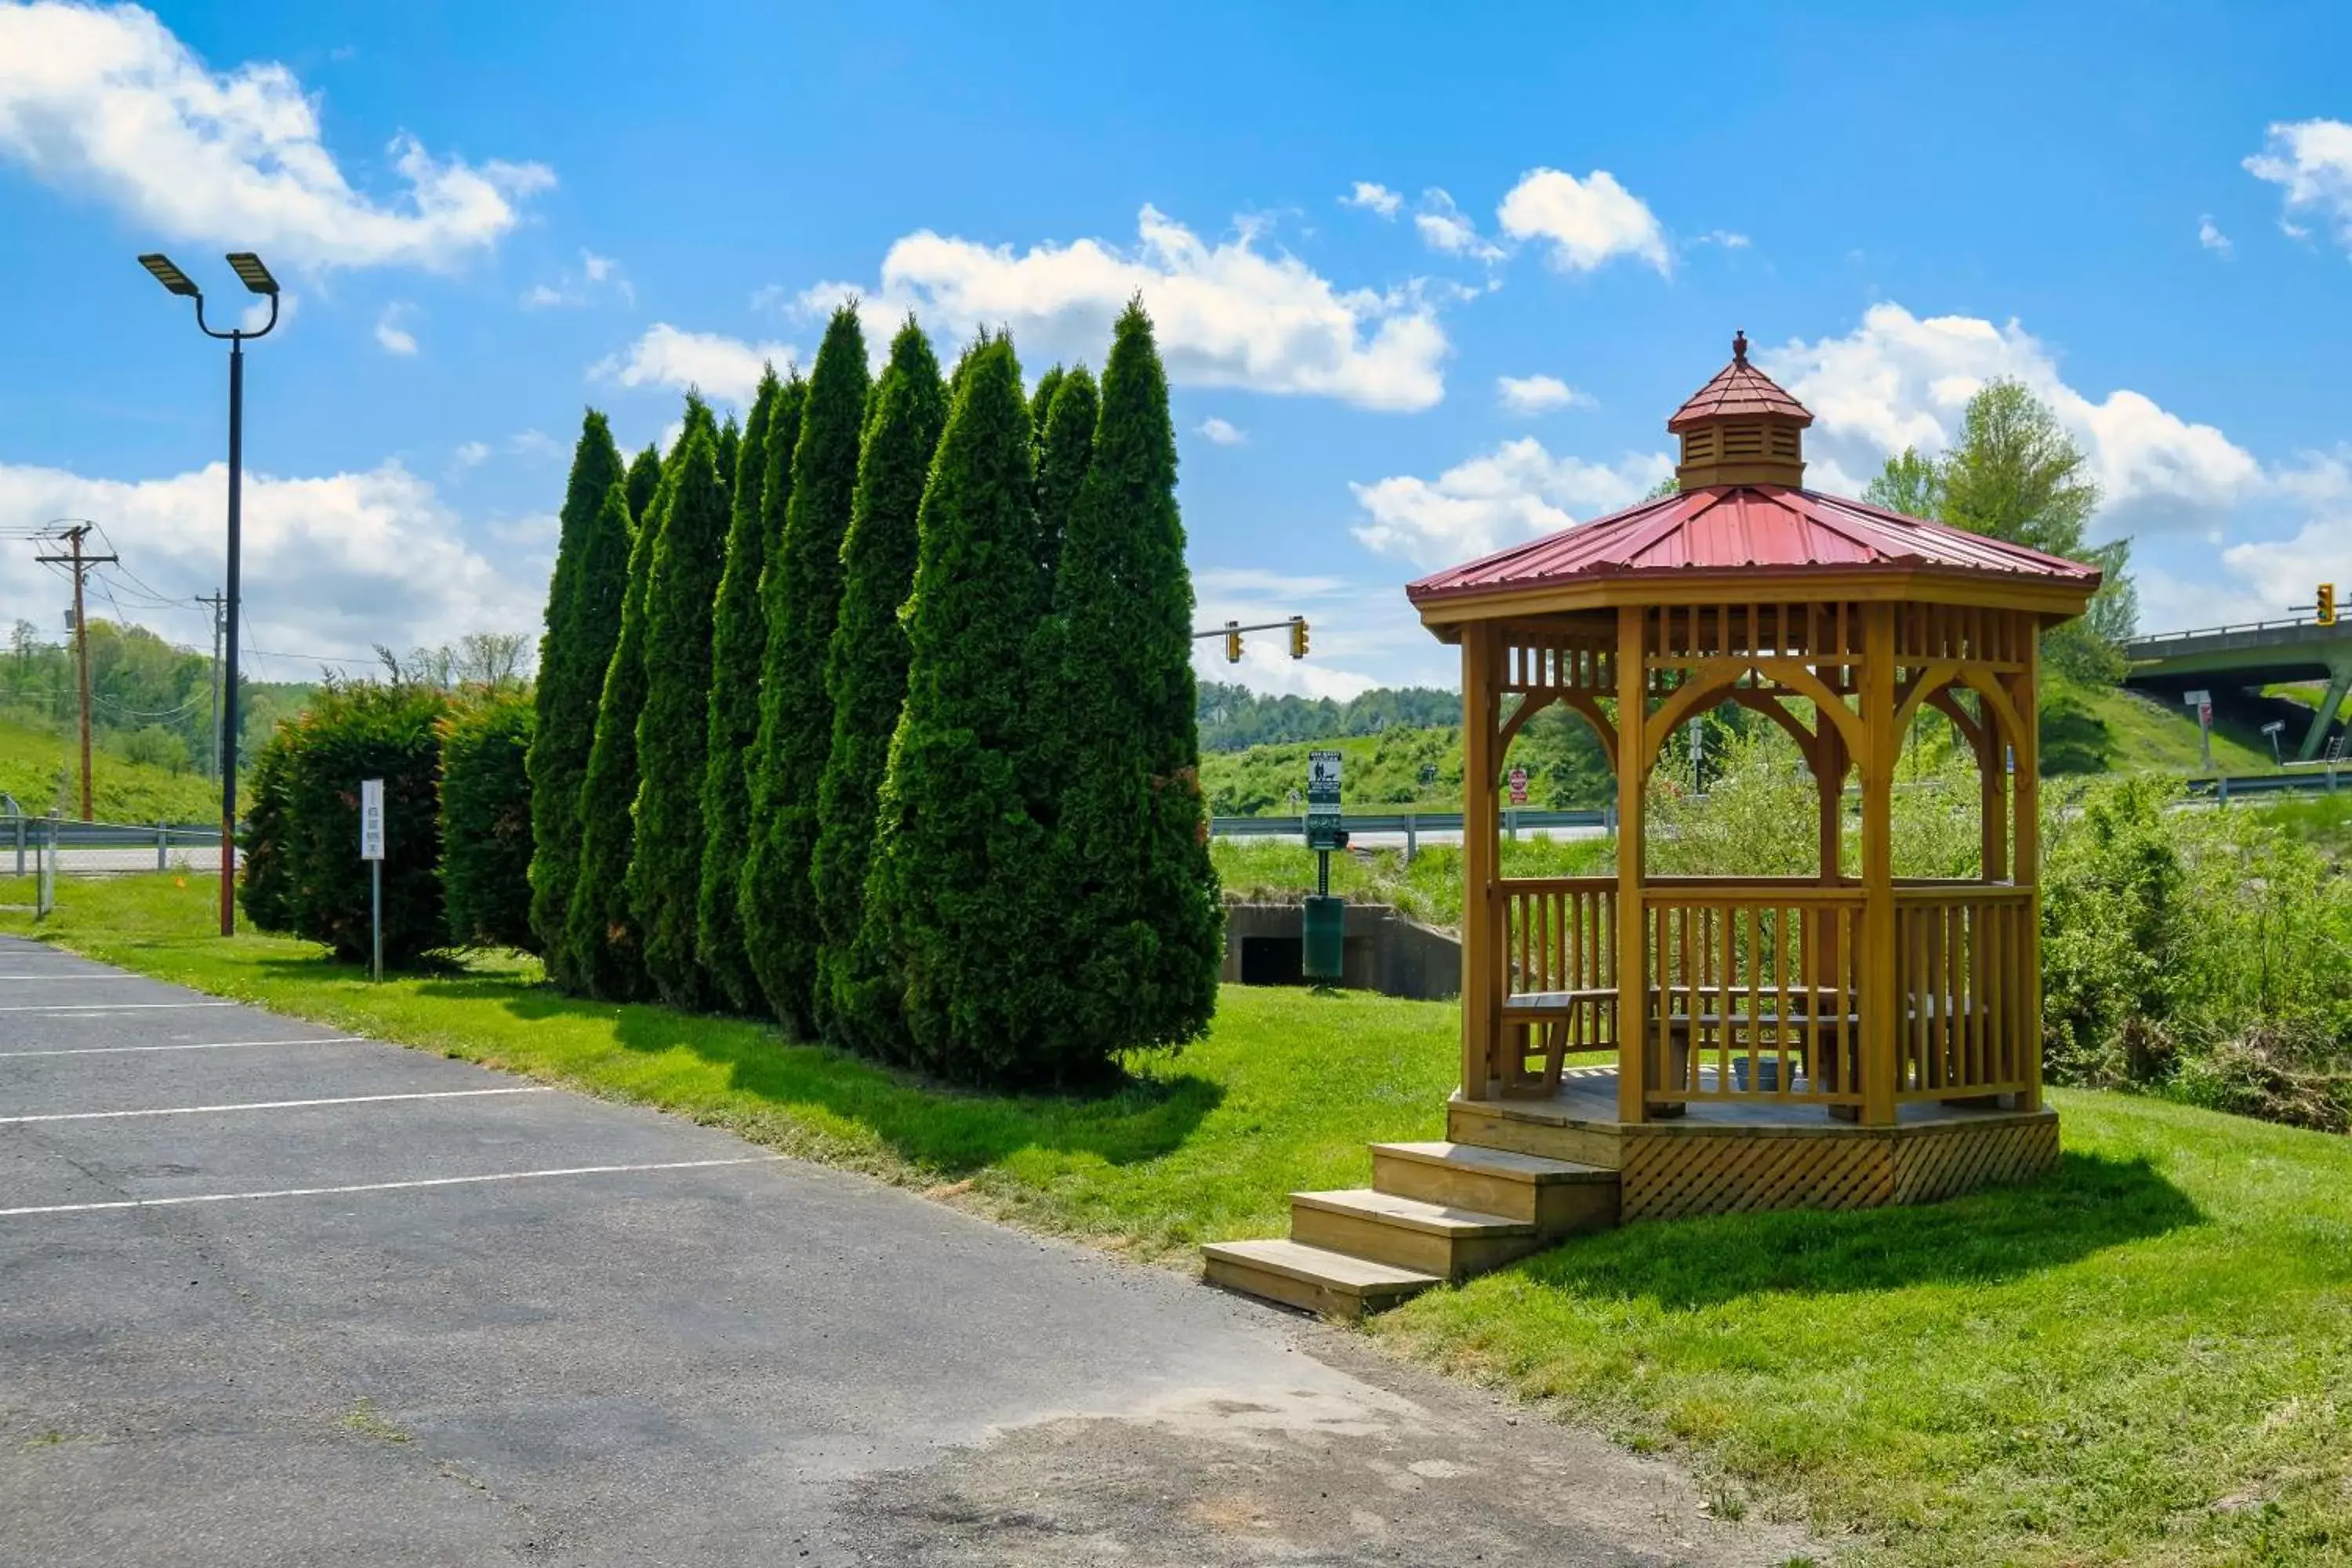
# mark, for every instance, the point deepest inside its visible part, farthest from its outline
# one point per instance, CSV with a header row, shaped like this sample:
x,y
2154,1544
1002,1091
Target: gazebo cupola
x,y
1741,428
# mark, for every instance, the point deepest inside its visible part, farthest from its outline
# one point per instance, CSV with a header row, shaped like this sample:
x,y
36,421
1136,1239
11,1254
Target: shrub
x,y
486,823
317,887
265,875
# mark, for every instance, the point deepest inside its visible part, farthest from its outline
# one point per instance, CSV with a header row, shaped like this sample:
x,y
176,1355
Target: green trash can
x,y
1323,929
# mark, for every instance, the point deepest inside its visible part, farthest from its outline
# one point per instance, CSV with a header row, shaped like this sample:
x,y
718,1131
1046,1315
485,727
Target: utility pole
x,y
73,534
215,601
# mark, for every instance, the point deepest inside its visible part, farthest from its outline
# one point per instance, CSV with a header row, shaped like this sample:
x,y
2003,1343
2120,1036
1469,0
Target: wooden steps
x,y
1331,1284
1434,1212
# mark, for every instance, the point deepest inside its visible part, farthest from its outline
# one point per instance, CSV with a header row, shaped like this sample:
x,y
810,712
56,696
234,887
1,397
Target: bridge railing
x,y
2236,628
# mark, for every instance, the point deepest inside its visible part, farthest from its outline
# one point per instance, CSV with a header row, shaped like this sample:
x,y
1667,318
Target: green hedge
x,y
311,881
485,827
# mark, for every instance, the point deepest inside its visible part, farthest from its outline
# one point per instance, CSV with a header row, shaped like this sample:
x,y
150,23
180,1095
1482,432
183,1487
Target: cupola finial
x,y
1739,346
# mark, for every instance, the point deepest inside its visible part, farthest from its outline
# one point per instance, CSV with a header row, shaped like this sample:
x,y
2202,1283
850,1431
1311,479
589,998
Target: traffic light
x,y
1232,642
2327,604
1298,637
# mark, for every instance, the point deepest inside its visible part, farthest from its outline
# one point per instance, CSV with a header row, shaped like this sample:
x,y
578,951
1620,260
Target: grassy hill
x,y
43,771
2084,731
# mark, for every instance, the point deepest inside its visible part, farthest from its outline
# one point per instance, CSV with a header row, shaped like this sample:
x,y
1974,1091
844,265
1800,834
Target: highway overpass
x,y
2258,653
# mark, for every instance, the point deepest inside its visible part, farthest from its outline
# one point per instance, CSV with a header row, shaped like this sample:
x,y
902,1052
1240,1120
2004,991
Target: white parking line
x,y
272,1105
108,1006
392,1186
206,1045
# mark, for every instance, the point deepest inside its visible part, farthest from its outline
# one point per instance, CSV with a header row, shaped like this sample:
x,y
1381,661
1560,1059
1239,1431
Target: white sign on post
x,y
372,819
1322,784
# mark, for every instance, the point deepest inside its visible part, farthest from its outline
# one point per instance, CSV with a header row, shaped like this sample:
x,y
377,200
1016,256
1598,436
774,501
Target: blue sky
x,y
1427,283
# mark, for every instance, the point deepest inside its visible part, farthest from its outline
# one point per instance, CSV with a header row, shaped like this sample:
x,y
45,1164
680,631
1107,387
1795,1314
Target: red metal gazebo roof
x,y
1740,391
1734,528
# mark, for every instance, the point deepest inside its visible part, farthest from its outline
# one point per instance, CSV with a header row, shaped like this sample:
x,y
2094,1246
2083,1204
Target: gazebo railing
x,y
1964,982
1752,993
1559,934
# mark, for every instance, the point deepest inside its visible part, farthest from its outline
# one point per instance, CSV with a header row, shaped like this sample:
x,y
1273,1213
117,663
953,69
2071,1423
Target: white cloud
x,y
724,369
109,103
1515,491
331,564
597,273
396,338
1443,227
255,316
1373,199
1227,314
1899,381
471,455
2311,161
1730,239
1222,433
1537,393
2211,237
1588,222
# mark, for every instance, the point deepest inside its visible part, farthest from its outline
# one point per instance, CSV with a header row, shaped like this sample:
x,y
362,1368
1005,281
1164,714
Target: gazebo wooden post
x,y
1481,944
2024,695
1880,1006
1633,946
1992,858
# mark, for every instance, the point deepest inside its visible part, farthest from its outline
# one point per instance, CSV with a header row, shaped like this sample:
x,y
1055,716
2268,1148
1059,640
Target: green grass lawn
x,y
2146,1358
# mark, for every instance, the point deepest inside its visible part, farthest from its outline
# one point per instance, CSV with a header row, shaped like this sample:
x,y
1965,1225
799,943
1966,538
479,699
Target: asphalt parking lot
x,y
270,1294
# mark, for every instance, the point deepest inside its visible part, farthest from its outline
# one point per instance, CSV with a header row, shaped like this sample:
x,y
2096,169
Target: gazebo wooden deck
x,y
1841,1040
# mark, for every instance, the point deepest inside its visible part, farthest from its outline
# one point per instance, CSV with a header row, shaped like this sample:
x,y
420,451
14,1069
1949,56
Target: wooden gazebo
x,y
1836,1040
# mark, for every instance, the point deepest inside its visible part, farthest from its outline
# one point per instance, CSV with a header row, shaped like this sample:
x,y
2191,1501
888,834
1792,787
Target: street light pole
x,y
256,279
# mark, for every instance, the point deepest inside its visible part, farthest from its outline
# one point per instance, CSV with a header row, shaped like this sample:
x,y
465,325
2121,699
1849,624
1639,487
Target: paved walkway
x,y
272,1295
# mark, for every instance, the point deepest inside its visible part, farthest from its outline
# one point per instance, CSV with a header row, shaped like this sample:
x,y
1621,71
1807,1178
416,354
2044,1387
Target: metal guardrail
x,y
2229,788
1412,823
2161,639
95,846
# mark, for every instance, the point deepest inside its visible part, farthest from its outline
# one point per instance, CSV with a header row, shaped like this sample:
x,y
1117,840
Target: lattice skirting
x,y
1669,1173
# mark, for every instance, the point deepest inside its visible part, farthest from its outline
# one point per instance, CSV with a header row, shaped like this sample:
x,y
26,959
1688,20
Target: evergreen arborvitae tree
x,y
730,447
644,479
1041,404
1066,450
739,640
866,678
1131,851
600,938
801,598
674,724
583,619
601,932
1066,444
958,900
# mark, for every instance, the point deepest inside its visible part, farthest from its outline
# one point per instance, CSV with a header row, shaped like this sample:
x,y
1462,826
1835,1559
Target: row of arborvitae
x,y
879,717
456,818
